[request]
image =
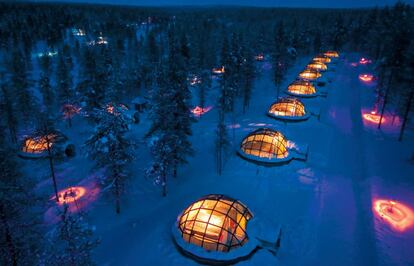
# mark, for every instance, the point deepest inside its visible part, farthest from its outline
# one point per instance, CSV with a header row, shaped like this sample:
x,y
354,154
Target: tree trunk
x,y
8,237
219,159
52,168
385,100
164,183
407,111
117,196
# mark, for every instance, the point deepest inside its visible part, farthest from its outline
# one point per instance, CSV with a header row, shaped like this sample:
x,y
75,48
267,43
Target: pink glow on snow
x,y
367,78
398,215
259,125
364,61
199,111
234,126
354,64
373,117
76,198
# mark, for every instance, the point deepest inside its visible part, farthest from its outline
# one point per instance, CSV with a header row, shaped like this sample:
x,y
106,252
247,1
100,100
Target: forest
x,y
77,81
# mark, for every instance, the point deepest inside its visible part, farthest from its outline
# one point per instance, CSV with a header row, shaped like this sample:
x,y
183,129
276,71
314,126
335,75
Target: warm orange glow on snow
x,y
398,215
373,117
364,61
219,70
38,144
70,195
366,77
199,111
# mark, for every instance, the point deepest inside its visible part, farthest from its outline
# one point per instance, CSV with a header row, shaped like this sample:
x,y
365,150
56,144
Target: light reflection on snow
x,y
396,214
199,111
232,126
367,78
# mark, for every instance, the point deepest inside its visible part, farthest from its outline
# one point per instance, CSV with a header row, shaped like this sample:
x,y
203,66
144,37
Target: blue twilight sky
x,y
267,3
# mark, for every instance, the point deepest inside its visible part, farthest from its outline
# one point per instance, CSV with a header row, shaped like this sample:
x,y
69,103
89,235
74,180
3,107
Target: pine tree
x,y
110,148
9,111
73,241
279,57
222,141
20,241
26,102
47,92
64,82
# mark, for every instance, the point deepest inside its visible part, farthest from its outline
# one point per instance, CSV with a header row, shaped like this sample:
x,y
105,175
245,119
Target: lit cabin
x,y
317,66
322,58
37,146
288,108
310,74
301,88
218,70
331,54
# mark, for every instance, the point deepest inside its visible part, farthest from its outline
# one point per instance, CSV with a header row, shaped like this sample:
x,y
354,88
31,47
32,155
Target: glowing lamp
x,y
70,195
396,214
367,78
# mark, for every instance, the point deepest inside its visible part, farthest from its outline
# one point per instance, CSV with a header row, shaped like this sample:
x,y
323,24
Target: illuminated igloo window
x,y
331,54
287,108
310,74
265,143
317,66
215,223
301,88
38,144
322,58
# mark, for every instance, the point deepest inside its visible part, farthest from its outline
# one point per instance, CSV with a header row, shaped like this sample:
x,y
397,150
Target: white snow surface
x,y
323,205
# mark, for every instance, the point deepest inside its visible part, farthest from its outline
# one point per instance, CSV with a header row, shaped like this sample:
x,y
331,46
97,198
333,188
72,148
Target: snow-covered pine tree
x,y
20,241
9,112
222,140
26,102
247,75
110,149
181,96
72,241
47,92
279,56
46,129
64,82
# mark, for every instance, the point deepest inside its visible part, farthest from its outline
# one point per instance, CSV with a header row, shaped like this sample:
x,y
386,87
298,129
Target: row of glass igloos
x,y
213,229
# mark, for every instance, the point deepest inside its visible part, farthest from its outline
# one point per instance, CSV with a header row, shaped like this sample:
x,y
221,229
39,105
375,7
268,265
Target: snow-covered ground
x,y
324,205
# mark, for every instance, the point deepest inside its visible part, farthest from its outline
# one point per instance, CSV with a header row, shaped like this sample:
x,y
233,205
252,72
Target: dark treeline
x,y
57,57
